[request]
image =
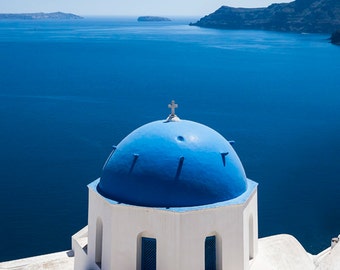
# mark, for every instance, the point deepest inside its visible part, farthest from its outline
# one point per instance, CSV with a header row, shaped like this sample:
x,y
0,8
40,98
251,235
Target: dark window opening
x,y
149,252
210,253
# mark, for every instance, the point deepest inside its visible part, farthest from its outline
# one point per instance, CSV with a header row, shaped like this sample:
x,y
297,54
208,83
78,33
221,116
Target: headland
x,y
301,16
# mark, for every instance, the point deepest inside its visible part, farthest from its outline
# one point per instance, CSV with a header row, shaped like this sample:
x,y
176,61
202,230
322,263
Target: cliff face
x,y
335,38
310,16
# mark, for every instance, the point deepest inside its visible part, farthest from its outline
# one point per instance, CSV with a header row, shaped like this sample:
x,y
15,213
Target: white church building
x,y
173,195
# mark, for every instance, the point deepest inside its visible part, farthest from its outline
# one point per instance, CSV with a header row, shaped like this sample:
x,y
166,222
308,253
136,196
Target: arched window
x,y
148,253
99,242
210,253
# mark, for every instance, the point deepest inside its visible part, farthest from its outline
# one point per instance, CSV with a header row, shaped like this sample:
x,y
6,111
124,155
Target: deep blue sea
x,y
69,90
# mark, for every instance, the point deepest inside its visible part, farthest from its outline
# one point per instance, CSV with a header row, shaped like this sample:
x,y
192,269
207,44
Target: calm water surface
x,y
69,90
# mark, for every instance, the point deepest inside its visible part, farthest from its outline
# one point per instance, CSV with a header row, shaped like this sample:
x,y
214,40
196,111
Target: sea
x,y
70,90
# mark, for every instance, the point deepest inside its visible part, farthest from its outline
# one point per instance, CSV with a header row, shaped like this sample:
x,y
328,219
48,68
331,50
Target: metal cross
x,y
173,106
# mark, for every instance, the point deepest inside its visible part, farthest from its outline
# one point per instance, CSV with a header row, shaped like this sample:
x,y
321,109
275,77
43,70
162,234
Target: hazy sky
x,y
128,7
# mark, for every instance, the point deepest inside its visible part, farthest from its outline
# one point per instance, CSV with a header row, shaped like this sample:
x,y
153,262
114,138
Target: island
x,y
302,16
152,19
39,16
335,38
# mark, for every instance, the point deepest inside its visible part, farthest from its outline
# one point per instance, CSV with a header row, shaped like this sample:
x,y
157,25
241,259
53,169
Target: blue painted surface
x,y
210,253
251,187
149,254
173,164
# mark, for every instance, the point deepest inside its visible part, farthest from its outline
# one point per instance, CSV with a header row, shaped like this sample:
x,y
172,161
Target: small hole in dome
x,y
180,138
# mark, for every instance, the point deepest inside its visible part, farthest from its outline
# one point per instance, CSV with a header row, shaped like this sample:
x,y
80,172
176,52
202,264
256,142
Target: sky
x,y
128,7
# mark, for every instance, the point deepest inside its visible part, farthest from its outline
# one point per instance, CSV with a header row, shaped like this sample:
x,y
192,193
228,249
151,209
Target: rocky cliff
x,y
335,38
310,16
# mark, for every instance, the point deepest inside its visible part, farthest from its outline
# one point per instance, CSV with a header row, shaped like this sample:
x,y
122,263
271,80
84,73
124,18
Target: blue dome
x,y
173,164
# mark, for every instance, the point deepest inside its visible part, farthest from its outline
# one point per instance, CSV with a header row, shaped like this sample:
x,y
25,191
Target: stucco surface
x,y
55,261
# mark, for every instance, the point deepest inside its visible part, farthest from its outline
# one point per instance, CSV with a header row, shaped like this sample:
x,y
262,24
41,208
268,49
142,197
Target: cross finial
x,y
172,117
173,106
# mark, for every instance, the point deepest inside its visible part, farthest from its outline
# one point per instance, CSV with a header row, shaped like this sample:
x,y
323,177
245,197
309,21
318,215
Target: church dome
x,y
173,164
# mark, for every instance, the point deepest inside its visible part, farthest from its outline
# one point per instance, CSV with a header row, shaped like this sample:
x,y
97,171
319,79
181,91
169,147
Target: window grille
x,y
149,252
210,253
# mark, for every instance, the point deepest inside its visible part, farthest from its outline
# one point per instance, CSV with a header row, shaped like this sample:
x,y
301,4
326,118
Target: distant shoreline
x,y
39,16
153,19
